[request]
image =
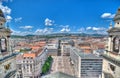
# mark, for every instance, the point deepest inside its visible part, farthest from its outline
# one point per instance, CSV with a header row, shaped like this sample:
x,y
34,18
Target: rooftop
x,y
89,56
29,55
84,55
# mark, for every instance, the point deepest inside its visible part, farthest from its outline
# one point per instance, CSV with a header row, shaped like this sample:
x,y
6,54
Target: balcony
x,y
111,59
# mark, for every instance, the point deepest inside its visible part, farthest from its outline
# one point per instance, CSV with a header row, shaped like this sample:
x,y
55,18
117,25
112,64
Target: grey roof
x,y
84,55
58,75
52,50
117,16
89,56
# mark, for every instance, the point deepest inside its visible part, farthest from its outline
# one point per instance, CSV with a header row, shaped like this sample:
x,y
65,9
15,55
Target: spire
x,y
1,14
110,26
117,16
2,17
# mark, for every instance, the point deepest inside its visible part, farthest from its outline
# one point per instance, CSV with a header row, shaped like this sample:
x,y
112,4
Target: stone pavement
x,y
62,64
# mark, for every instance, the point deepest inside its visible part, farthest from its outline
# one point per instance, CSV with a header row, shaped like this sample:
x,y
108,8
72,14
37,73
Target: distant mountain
x,y
61,35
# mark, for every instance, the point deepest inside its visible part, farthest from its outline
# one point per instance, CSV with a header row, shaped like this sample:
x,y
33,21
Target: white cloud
x,y
47,30
18,19
14,32
98,28
107,15
8,18
43,31
65,28
5,9
95,28
22,33
68,30
48,22
88,28
39,31
26,27
81,30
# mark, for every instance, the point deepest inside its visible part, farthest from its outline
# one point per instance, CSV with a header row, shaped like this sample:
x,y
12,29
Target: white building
x,y
29,65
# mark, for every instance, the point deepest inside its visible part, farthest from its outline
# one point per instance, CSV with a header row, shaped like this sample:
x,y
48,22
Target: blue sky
x,y
53,16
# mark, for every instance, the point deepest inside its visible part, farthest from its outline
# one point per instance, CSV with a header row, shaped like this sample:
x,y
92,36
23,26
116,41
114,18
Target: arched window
x,y
3,44
118,23
116,42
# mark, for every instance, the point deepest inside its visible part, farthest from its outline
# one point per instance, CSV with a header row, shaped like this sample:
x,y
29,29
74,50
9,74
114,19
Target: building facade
x,y
86,65
52,49
7,57
29,65
112,53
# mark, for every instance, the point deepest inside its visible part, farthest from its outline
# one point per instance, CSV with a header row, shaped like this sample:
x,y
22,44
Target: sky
x,y
59,16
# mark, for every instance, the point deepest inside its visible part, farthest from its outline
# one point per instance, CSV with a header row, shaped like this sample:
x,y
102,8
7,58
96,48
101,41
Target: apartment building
x,y
52,49
85,65
29,65
65,45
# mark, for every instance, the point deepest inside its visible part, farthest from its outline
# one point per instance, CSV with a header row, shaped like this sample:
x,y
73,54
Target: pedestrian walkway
x,y
62,64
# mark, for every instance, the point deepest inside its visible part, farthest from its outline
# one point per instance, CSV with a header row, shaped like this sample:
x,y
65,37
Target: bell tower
x,y
114,35
4,36
111,64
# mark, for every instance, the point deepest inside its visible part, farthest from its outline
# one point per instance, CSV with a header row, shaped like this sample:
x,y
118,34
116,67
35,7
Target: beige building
x,y
65,45
29,65
111,66
52,49
7,57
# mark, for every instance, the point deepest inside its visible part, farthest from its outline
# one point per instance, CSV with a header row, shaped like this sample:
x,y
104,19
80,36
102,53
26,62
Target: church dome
x,y
117,16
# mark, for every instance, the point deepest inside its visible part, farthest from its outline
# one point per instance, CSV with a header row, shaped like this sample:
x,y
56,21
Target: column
x,y
119,47
0,50
9,45
119,50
